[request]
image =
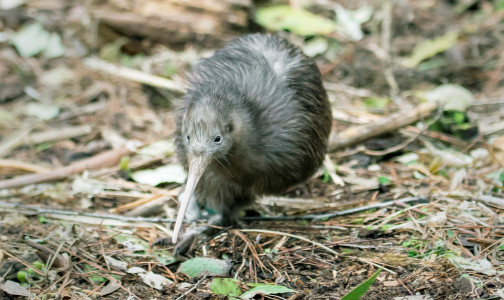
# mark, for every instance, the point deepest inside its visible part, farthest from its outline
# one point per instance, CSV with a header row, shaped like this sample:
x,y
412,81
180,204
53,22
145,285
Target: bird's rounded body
x,y
258,111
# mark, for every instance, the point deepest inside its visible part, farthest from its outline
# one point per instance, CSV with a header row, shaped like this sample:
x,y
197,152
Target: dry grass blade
x,y
292,236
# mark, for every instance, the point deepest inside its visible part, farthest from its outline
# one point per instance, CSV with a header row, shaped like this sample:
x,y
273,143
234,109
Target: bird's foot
x,y
192,233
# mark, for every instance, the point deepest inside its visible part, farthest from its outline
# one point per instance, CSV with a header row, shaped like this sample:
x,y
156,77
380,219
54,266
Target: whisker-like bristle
x,y
222,165
226,160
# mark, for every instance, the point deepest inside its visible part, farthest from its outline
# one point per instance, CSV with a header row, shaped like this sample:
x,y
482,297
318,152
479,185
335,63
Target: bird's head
x,y
210,128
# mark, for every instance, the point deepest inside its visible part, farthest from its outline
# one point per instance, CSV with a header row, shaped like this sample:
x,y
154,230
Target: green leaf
x,y
299,21
499,5
362,288
124,164
429,48
225,287
326,177
22,276
501,247
97,279
376,102
459,117
383,180
201,266
265,289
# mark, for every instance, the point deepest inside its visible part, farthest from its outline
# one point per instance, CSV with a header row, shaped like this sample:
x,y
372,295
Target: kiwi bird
x,y
254,121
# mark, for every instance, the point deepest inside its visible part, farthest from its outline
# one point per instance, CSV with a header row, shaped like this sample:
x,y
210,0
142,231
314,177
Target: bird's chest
x,y
232,172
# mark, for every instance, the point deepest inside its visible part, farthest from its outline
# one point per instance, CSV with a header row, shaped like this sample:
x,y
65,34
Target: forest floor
x,y
423,200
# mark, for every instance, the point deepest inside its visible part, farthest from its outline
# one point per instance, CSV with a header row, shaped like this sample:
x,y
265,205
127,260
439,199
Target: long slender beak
x,y
197,166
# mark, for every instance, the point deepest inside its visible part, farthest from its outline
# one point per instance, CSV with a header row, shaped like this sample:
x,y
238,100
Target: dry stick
x,y
251,247
58,134
26,264
83,217
490,200
244,260
356,134
386,42
15,138
373,264
132,74
192,288
42,294
137,203
405,143
413,131
61,260
101,160
21,165
340,213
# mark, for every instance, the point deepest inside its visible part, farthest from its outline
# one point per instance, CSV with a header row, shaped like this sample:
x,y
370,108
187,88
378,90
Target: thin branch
x,y
420,199
21,165
58,134
30,210
99,161
357,134
192,288
132,74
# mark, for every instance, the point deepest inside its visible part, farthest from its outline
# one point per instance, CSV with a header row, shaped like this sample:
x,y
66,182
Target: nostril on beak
x,y
198,152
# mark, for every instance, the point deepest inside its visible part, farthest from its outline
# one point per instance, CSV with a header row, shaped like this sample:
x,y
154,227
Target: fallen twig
x,y
406,142
342,212
386,43
192,288
94,218
101,160
356,134
491,200
61,261
414,131
132,74
21,165
57,134
14,139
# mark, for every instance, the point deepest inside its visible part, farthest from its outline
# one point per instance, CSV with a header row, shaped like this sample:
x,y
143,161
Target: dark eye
x,y
217,139
188,138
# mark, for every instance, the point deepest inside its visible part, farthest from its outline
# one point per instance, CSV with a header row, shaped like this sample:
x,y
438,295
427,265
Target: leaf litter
x,y
449,247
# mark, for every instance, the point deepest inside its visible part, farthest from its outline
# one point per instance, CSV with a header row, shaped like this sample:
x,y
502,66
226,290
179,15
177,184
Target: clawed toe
x,y
184,244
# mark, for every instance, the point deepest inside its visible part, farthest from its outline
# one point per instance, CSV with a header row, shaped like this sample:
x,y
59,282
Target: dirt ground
x,y
439,232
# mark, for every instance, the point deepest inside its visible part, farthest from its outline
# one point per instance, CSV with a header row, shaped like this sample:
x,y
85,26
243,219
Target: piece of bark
x,y
357,134
177,21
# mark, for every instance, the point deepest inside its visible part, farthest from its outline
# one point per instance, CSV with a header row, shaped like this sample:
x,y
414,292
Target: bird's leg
x,y
223,211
